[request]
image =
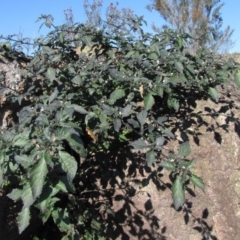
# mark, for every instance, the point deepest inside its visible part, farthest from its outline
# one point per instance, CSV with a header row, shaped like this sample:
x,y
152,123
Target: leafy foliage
x,y
121,91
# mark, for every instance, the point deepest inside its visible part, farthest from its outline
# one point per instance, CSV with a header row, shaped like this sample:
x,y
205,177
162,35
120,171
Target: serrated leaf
x,y
139,144
79,109
23,219
37,176
170,166
178,194
179,67
127,111
15,194
237,78
117,123
148,101
150,157
142,116
51,74
197,181
184,149
24,160
213,93
117,94
68,164
53,95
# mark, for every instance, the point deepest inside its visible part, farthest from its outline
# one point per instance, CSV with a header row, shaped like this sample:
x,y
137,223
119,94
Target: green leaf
x,y
151,157
127,111
24,160
37,176
190,164
45,216
153,56
142,116
53,95
159,142
77,80
61,218
213,93
133,122
61,186
76,144
178,194
1,176
160,92
237,78
21,139
130,97
27,196
68,164
173,103
170,166
61,37
51,74
56,58
139,144
184,149
179,66
148,101
107,109
117,123
23,219
79,109
117,94
89,116
161,120
63,133
44,200
15,194
129,54
96,225
167,132
197,181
